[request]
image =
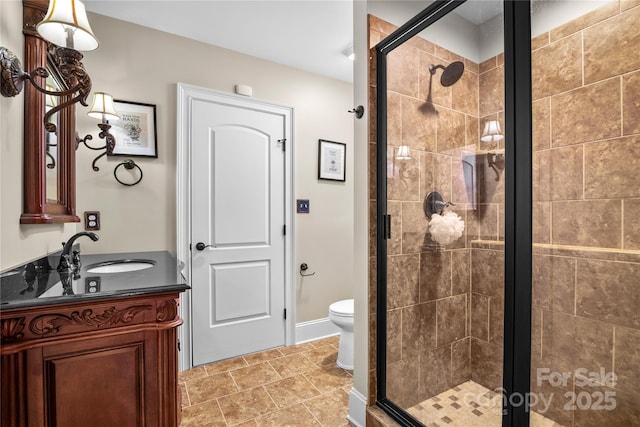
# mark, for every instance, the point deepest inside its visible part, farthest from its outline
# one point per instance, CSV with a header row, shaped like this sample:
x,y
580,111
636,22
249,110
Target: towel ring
x,y
128,164
303,268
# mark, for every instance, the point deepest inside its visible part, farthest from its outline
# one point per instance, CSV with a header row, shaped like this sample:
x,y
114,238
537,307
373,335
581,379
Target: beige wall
x,y
18,243
142,65
361,205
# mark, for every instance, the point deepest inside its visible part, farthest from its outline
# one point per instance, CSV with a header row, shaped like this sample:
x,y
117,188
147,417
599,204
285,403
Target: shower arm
x,y
433,68
432,72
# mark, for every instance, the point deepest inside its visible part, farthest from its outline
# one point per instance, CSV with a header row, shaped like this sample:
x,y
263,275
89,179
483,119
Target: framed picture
x,y
135,132
331,160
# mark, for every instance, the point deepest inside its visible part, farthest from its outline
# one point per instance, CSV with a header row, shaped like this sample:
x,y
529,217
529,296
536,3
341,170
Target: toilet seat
x,y
342,308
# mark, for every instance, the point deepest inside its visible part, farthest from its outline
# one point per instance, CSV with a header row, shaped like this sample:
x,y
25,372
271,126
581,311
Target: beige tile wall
x,y
586,267
586,89
586,110
428,291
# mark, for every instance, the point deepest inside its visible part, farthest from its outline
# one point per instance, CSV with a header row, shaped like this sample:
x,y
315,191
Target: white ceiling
x,y
311,34
305,34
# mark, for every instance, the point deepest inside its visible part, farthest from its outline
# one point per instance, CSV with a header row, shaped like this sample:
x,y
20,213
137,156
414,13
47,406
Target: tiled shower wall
x,y
429,289
487,249
586,135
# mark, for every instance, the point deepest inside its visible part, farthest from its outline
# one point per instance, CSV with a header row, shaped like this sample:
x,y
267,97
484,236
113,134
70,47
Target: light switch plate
x,y
302,205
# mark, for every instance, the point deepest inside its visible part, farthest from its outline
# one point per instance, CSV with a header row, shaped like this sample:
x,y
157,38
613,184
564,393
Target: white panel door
x,y
238,213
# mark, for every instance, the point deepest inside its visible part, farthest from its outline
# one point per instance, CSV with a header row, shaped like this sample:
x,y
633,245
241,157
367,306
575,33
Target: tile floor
x,y
467,405
287,386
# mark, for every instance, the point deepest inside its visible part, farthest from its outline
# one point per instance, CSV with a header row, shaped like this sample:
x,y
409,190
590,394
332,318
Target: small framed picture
x,y
331,160
135,132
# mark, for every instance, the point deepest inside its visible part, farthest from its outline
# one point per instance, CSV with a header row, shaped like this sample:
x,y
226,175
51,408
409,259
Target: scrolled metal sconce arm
x,y
12,79
51,165
496,162
110,143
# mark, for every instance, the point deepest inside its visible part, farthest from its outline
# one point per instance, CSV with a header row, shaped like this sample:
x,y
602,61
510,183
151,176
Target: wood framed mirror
x,y
49,157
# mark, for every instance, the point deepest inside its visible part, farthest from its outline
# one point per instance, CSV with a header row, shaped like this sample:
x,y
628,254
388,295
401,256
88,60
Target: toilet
x,y
341,314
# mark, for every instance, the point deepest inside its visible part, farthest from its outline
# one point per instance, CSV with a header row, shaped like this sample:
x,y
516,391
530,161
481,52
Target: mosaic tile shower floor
x,y
467,405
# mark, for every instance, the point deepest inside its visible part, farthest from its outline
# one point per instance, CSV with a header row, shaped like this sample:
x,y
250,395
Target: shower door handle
x,y
387,227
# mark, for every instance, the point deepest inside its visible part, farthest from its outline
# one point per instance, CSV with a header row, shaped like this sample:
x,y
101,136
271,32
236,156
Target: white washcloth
x,y
446,228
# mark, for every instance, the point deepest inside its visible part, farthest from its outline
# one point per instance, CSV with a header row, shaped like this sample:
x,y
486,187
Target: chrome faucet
x,y
69,262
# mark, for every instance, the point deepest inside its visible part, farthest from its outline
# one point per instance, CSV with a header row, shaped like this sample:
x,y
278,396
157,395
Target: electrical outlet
x,y
92,220
92,285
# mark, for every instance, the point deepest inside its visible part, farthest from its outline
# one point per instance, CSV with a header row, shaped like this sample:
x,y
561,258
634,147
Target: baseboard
x,y
357,408
315,329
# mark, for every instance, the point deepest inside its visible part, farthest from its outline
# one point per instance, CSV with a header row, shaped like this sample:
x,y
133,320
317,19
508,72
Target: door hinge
x,y
284,143
179,349
285,314
284,230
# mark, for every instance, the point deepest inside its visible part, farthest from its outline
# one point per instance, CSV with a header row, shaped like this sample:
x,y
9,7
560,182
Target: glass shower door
x,y
441,183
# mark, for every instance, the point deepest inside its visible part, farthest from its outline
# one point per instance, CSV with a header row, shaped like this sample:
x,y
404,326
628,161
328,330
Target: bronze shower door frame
x,y
518,204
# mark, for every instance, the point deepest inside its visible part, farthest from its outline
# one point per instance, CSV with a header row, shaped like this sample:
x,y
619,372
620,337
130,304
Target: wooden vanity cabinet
x,y
91,364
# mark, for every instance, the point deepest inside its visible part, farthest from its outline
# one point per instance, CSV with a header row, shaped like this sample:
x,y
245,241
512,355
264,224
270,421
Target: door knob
x,y
201,246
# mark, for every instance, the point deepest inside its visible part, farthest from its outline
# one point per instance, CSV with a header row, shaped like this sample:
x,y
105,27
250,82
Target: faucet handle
x,y
65,262
76,260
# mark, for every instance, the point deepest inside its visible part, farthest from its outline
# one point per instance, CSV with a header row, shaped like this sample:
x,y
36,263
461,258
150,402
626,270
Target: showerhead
x,y
450,74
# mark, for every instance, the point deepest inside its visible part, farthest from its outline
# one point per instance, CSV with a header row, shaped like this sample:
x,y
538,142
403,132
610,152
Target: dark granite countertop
x,y
38,283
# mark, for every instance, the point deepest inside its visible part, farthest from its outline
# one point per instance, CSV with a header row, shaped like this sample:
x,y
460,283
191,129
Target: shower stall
x,y
505,213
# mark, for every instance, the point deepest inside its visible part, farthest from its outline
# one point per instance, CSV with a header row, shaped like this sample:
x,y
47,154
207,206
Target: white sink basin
x,y
120,266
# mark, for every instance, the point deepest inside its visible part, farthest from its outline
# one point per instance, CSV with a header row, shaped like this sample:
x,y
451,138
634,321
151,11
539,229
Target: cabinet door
x,y
99,382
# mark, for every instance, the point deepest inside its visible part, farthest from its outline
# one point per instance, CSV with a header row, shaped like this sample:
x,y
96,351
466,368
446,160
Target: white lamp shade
x,y
102,107
492,131
66,24
403,153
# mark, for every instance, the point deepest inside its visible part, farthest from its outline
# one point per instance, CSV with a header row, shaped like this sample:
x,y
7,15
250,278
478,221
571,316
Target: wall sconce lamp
x,y
102,108
492,132
67,26
403,153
